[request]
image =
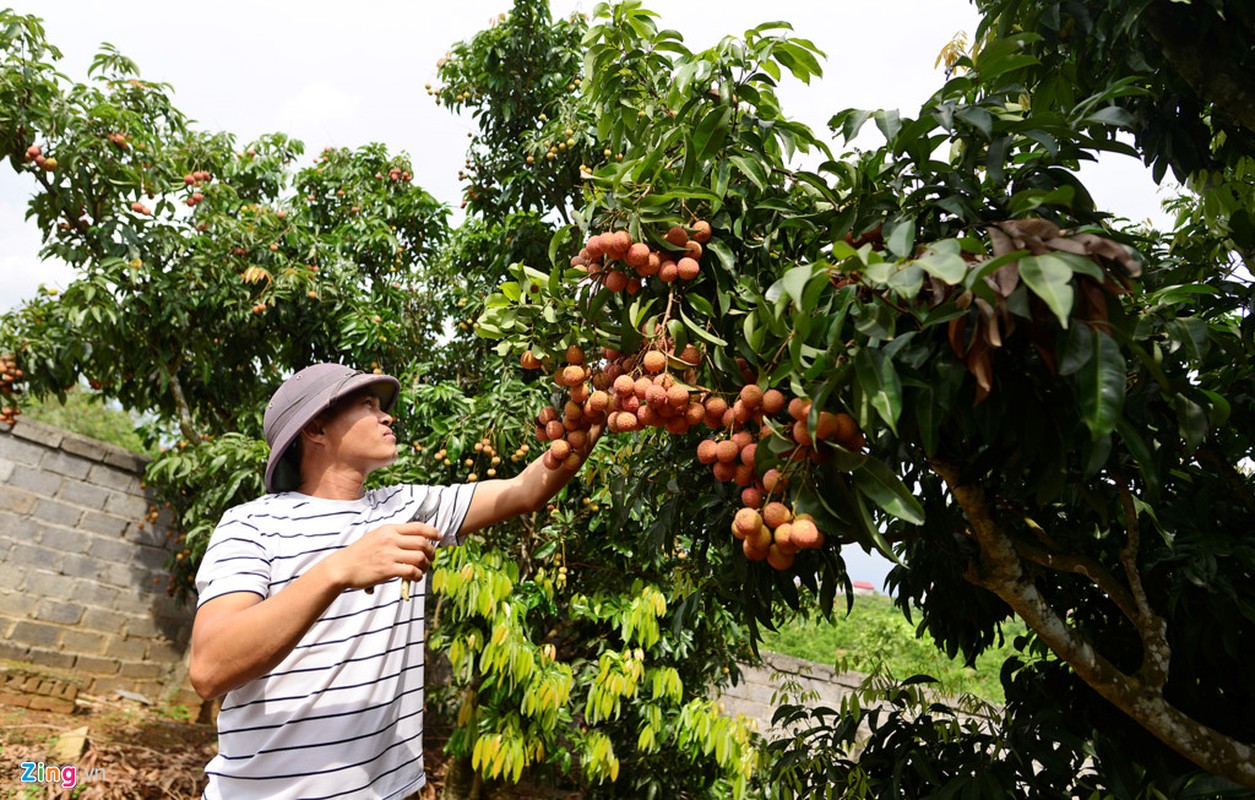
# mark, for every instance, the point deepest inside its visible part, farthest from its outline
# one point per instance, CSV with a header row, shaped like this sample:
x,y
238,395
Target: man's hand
x,y
239,636
529,491
404,551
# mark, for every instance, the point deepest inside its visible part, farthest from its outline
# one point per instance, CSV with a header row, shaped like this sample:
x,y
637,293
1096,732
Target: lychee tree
x,y
519,81
1034,410
590,660
205,270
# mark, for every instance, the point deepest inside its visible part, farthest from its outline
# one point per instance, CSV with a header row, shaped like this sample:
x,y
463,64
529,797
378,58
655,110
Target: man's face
x,y
359,432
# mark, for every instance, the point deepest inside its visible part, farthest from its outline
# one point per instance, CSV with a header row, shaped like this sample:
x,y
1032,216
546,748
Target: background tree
x,y
206,272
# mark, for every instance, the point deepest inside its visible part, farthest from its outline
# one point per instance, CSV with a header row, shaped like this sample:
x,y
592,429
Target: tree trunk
x,y
1140,696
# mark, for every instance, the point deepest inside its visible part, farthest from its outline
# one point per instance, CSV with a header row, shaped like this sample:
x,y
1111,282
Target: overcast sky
x,y
345,74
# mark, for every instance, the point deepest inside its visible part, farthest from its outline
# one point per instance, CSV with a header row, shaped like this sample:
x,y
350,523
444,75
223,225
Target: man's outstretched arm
x,y
498,500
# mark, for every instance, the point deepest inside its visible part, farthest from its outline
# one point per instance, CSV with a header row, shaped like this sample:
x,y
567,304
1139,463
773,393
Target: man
x,y
302,622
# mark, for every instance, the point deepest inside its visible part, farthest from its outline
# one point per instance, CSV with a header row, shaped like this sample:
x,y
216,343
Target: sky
x,y
346,74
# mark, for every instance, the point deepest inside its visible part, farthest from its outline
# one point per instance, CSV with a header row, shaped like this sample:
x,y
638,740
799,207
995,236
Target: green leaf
x,y
557,242
1078,349
975,277
794,283
754,333
1111,115
1095,455
978,118
1031,199
1180,293
888,492
850,122
723,253
1219,410
711,132
1191,422
1189,334
752,169
906,281
700,331
880,384
889,123
900,238
928,416
1049,277
1143,455
700,304
1000,56
944,261
800,61
1101,385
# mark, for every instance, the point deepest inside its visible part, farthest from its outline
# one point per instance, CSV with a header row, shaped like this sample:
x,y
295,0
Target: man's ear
x,y
314,431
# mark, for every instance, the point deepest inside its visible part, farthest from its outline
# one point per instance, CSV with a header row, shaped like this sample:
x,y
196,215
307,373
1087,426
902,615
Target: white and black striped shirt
x,y
342,715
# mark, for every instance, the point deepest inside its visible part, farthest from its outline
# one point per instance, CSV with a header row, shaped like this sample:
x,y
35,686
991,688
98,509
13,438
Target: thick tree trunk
x,y
1000,570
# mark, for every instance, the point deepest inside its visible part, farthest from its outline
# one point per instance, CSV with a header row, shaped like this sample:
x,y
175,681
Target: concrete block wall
x,y
759,691
82,576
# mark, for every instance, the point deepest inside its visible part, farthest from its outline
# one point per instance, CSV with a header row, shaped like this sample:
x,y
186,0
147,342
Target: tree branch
x,y
180,404
1081,565
1156,652
1000,570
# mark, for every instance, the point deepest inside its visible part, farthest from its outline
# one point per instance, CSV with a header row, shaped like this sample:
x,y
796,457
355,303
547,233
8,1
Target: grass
x,y
875,633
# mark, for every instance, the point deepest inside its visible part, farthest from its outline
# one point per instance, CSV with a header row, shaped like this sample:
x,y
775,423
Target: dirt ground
x,y
133,752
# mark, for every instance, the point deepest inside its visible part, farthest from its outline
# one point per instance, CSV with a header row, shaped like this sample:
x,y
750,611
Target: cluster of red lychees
x,y
622,265
10,374
194,180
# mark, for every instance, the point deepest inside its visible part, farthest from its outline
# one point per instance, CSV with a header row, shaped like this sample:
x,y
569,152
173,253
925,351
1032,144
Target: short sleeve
x,y
444,508
235,561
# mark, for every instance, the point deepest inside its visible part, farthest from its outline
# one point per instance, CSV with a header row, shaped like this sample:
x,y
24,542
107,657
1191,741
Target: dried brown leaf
x,y
1025,229
989,323
957,332
1004,279
1043,339
1001,243
1111,250
1067,245
1095,301
979,362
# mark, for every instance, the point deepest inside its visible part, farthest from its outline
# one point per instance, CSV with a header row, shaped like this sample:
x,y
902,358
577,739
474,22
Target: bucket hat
x,y
304,396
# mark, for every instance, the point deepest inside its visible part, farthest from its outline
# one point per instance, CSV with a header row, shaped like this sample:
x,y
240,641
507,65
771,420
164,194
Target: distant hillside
x,y
875,631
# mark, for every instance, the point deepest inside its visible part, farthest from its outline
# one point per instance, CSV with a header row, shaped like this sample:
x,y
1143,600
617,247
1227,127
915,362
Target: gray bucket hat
x,y
304,396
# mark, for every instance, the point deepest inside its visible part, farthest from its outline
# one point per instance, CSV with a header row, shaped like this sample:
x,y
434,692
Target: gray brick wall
x,y
82,581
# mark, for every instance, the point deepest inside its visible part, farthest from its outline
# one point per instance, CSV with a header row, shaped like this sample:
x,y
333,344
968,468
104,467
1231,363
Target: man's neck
x,y
332,484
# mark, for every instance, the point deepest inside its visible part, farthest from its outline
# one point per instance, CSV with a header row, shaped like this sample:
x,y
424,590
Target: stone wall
x,y
759,690
82,576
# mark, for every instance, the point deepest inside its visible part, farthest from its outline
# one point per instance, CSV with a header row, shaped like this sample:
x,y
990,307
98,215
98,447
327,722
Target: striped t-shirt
x,y
342,715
